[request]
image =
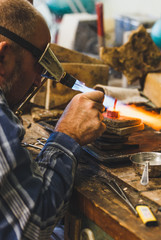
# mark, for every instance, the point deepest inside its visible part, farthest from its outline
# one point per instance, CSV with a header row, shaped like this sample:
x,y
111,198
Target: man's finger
x,y
96,96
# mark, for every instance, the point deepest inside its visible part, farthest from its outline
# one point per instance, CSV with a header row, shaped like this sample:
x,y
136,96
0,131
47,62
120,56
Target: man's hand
x,y
82,118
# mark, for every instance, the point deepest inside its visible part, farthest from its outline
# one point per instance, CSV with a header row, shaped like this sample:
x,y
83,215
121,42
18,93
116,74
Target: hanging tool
x,y
100,25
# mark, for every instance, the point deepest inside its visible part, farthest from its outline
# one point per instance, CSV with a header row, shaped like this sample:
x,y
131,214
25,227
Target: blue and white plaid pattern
x,y
34,194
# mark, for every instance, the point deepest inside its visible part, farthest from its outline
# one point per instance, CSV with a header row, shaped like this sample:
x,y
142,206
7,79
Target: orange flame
x,y
151,119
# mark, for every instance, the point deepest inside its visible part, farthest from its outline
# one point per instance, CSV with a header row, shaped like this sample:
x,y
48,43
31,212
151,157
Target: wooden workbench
x,y
92,199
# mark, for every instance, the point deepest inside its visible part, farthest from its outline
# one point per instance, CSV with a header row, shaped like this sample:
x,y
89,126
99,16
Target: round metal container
x,y
154,159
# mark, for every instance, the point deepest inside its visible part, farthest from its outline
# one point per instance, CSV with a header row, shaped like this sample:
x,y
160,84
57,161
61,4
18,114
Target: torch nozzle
x,y
108,101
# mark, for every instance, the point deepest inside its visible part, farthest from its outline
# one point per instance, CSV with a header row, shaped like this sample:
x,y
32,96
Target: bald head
x,y
19,68
20,17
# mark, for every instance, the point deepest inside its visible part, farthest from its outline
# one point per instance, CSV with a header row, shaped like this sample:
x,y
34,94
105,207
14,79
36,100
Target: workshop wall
x,y
115,7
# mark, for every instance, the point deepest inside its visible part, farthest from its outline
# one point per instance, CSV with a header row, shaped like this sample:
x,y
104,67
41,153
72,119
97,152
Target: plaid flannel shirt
x,y
34,194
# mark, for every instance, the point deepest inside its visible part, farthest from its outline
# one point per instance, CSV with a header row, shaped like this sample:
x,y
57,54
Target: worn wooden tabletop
x,y
93,198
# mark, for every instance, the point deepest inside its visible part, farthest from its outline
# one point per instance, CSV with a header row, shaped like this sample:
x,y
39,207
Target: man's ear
x,y
4,47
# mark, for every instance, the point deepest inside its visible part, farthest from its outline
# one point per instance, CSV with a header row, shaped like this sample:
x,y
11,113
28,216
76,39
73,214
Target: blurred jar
x,y
156,33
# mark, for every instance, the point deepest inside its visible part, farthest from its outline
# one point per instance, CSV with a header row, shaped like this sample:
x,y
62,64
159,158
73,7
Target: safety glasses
x,y
47,59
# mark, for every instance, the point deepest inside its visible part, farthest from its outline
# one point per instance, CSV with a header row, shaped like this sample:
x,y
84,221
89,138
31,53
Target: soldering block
x,y
121,121
125,130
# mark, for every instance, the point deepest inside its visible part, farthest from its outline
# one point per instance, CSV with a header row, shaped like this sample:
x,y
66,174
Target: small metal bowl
x,y
154,159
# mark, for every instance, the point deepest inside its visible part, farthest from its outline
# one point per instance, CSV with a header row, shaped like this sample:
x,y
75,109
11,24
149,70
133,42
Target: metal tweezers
x,y
118,190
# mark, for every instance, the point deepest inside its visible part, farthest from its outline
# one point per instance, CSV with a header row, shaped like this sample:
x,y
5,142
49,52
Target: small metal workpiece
x,y
112,113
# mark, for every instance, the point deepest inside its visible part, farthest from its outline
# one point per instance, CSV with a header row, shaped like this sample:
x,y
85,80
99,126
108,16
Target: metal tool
x,y
118,190
145,176
39,141
24,144
52,69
